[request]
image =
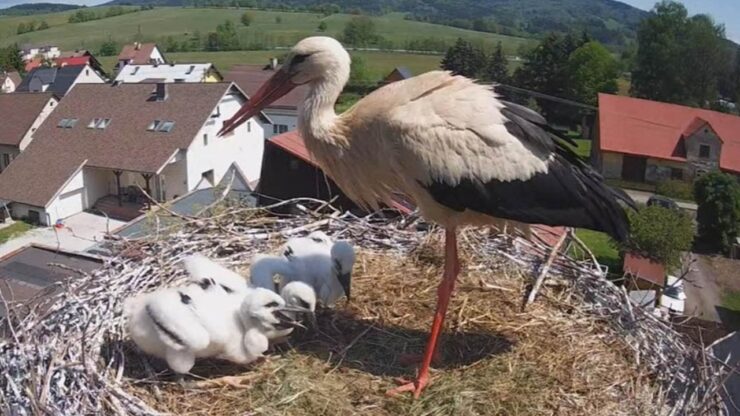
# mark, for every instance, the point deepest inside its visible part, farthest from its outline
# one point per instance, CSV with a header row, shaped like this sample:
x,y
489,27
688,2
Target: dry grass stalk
x,y
573,352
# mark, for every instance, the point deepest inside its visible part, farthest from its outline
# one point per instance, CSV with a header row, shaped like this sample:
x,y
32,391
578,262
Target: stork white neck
x,y
317,117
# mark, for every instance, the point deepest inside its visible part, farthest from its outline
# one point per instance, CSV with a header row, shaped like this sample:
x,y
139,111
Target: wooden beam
x,y
147,177
118,186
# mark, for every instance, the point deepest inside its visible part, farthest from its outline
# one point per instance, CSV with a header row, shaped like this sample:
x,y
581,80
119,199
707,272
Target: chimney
x,y
161,91
137,45
273,63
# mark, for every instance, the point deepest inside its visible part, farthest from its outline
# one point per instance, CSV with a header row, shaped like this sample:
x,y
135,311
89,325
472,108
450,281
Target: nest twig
x,y
71,355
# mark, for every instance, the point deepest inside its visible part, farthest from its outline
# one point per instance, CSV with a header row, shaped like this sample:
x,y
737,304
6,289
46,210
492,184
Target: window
x,y
154,125
190,70
677,174
166,126
136,69
93,123
87,72
704,151
249,126
6,160
103,123
208,175
217,113
205,140
179,80
279,128
67,123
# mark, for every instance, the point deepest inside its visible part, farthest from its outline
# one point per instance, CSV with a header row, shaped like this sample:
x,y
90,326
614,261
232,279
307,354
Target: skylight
x,y
166,126
93,123
190,70
67,123
154,125
98,123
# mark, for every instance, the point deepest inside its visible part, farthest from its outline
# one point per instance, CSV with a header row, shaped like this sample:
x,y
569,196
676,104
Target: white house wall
x,y
88,76
169,73
71,199
97,185
48,108
175,178
19,210
243,147
281,117
157,56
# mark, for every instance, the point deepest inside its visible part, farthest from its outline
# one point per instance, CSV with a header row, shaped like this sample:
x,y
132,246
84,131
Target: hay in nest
x,y
580,349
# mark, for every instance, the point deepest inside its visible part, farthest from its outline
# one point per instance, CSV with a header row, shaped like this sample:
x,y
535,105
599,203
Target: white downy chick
x,y
165,324
208,273
266,316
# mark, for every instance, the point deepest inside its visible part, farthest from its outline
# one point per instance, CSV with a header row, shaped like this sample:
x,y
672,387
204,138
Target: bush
x,y
247,18
718,215
675,189
108,48
660,234
322,26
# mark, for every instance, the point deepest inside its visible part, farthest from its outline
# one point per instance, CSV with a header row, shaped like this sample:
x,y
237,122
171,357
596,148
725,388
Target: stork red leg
x,y
444,292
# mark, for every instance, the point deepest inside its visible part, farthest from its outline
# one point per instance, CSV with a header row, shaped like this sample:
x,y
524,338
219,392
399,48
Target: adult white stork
x,y
464,155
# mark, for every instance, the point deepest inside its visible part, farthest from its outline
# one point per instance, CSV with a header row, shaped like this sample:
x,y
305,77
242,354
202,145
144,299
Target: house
x,y
71,58
43,52
9,81
644,272
22,114
284,111
289,171
139,53
105,142
169,73
399,73
647,141
26,273
59,80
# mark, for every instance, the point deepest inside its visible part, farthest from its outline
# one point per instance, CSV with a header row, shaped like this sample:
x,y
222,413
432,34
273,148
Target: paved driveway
x,y
702,292
80,232
641,197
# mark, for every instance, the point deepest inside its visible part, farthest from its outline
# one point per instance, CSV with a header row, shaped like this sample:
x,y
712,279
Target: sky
x,y
723,11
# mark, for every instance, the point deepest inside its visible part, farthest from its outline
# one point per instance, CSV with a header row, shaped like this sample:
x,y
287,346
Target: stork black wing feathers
x,y
570,194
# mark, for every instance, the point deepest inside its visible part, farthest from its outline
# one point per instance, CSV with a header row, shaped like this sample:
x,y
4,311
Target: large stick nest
x,y
581,348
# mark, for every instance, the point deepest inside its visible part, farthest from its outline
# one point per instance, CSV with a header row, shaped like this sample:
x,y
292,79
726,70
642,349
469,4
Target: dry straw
x,y
579,349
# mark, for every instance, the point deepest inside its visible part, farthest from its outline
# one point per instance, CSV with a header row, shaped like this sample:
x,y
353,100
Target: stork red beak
x,y
275,87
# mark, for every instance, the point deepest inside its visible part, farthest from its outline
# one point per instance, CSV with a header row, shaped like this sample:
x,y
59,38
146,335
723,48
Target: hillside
x,y
269,29
609,21
37,8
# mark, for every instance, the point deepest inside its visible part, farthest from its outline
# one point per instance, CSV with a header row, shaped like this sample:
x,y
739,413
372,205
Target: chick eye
x,y
272,305
227,289
184,298
297,59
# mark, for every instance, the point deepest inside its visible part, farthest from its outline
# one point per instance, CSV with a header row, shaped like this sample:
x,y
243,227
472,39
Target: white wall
x,y
18,210
285,117
169,73
88,76
8,85
48,108
175,179
244,147
71,199
97,184
157,55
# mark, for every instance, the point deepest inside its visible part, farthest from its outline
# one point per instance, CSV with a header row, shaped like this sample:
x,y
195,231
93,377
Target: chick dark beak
x,y
277,86
286,320
345,280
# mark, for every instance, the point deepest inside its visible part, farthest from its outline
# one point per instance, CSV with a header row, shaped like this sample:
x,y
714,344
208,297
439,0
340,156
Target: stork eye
x,y
317,240
205,283
297,59
288,252
272,305
185,298
227,289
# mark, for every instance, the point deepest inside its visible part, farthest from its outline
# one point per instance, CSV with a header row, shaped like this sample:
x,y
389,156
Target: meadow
x,y
268,28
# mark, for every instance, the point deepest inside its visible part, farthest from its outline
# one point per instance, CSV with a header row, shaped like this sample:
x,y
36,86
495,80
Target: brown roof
x,y
15,77
19,111
250,77
38,173
644,268
138,56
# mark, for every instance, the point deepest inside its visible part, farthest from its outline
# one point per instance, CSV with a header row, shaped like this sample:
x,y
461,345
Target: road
x,y
641,197
702,292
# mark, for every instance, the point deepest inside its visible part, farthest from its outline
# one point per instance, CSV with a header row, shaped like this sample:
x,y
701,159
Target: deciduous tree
x,y
660,233
592,70
718,215
498,66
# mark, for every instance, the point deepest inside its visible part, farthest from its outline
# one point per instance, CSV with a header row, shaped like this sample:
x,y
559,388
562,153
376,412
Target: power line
x,y
546,97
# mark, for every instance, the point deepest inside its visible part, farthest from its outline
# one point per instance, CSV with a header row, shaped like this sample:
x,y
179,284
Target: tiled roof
x,y
650,128
139,56
250,77
37,174
59,80
644,268
19,111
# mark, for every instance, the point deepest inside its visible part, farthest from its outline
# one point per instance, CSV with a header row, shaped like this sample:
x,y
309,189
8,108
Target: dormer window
x,y
217,113
136,69
102,123
190,70
166,126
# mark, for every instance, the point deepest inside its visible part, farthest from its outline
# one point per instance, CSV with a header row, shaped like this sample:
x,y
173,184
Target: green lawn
x,y
584,147
731,300
181,23
601,245
18,228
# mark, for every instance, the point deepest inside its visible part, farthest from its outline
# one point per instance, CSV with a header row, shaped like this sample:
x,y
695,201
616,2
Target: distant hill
x,y
609,21
37,8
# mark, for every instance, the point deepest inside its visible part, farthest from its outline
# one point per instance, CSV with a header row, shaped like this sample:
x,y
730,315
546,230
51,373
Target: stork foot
x,y
415,386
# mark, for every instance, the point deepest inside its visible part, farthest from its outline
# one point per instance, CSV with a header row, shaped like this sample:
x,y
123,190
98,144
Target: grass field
x,y
731,300
19,227
601,245
181,23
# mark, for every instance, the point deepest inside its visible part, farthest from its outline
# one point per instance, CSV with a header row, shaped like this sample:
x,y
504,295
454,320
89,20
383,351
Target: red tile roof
x,y
650,128
72,61
138,56
56,153
644,268
19,110
250,77
293,143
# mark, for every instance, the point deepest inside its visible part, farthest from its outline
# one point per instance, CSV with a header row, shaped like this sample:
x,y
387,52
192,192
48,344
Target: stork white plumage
x,y
463,155
207,273
324,265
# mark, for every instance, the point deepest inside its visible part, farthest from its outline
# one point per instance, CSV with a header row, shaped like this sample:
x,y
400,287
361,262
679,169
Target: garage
x,y
67,204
